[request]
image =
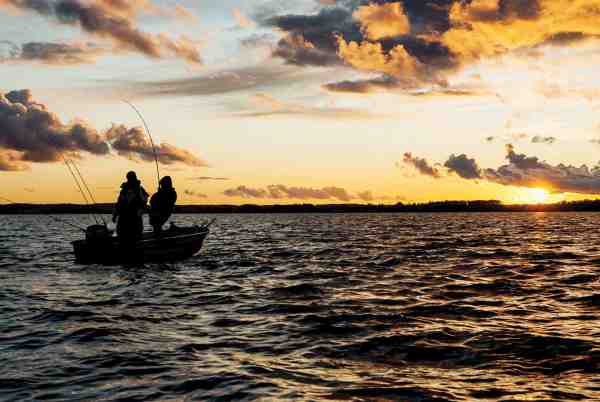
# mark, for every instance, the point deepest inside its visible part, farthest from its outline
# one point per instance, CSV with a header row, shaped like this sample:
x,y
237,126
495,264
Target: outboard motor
x,y
97,234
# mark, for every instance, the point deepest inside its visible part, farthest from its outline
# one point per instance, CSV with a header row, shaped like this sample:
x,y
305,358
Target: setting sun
x,y
538,195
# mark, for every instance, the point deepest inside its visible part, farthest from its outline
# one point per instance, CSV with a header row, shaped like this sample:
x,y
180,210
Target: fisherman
x,y
162,204
130,207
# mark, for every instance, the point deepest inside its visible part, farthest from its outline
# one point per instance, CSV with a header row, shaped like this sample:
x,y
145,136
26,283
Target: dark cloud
x,y
522,161
421,165
104,20
295,50
54,53
320,29
195,194
38,135
529,171
463,166
366,86
133,143
543,140
29,132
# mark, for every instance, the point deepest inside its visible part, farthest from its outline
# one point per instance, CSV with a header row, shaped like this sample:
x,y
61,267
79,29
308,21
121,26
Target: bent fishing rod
x,y
149,136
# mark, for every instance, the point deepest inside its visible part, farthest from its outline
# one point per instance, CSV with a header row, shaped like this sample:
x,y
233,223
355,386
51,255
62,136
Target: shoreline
x,y
431,207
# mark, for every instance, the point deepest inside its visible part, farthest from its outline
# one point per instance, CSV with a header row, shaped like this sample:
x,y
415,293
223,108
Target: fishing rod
x,y
87,188
85,198
64,222
149,136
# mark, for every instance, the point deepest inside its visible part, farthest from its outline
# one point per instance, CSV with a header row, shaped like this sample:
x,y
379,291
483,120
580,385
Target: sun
x,y
536,196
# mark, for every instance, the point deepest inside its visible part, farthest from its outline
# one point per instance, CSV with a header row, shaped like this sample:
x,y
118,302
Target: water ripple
x,y
421,307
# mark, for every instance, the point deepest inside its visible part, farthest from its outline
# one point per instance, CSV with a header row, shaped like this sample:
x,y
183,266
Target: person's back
x,y
130,208
162,204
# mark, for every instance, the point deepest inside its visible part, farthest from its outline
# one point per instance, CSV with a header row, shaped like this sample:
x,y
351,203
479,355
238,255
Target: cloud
x,y
427,41
183,13
463,166
366,196
133,143
259,40
529,171
195,194
543,140
113,20
10,161
242,20
380,21
280,191
38,135
209,178
246,192
295,50
421,165
364,86
29,132
53,53
483,28
319,30
264,105
221,82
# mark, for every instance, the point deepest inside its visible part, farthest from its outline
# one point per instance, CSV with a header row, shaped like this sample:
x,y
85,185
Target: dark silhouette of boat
x,y
176,243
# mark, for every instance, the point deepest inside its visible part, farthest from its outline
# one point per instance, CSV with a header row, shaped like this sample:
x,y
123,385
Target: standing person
x,y
129,209
162,204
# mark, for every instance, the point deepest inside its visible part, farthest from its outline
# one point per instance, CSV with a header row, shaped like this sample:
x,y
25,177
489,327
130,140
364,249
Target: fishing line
x,y
87,202
149,136
87,188
64,222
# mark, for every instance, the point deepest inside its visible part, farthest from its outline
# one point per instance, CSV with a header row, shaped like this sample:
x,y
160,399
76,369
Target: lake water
x,y
423,307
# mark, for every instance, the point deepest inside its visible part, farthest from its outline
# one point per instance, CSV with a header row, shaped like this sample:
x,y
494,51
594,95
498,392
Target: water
x,y
446,307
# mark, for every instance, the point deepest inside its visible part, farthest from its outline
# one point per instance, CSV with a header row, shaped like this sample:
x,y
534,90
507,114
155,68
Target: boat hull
x,y
171,246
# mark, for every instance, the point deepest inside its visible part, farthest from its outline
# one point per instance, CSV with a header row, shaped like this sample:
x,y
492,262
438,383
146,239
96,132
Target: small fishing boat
x,y
176,243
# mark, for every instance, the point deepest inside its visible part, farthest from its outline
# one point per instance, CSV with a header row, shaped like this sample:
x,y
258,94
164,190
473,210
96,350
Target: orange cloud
x,y
369,56
490,27
381,21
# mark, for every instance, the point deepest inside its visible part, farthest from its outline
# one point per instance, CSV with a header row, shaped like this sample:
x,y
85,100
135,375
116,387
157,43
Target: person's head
x,y
166,182
131,177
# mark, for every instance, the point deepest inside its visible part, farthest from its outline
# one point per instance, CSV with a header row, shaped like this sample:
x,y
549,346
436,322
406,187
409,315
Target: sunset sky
x,y
322,101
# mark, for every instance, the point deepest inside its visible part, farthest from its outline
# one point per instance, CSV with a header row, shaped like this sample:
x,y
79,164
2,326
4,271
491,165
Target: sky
x,y
320,101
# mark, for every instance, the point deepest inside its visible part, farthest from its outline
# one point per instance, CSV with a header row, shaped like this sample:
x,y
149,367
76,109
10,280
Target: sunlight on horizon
x,y
536,195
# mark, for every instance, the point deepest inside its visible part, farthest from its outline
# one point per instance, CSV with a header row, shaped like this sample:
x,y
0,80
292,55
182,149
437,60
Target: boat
x,y
174,244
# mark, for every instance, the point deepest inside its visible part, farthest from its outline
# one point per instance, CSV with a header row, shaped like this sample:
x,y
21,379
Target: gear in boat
x,y
175,243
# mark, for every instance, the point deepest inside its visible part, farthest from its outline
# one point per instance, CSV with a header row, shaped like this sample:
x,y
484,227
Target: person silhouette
x,y
129,209
162,204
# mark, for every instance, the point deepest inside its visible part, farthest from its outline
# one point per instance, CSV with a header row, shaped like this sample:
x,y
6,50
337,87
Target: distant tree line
x,y
437,206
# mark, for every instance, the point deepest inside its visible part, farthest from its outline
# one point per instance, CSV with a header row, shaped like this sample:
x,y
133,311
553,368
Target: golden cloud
x,y
370,56
381,21
490,27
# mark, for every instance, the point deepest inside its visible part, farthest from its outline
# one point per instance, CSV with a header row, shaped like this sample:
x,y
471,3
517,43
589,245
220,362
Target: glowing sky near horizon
x,y
275,99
